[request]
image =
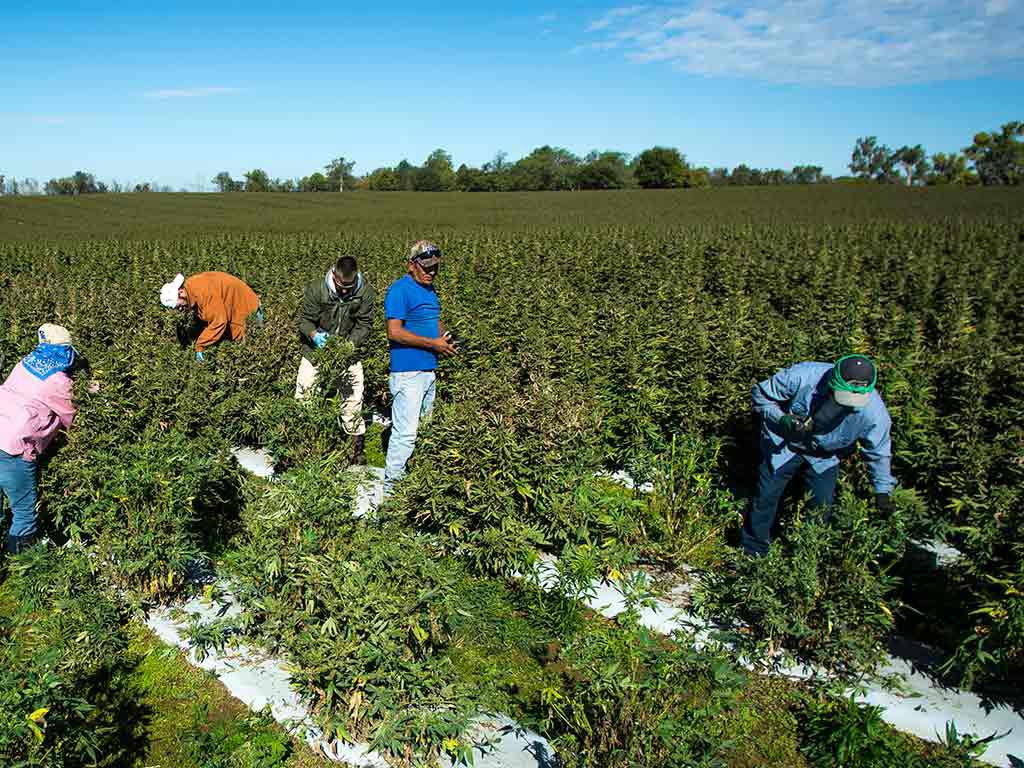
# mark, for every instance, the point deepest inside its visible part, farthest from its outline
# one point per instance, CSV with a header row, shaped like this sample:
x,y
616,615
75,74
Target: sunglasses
x,y
430,253
341,286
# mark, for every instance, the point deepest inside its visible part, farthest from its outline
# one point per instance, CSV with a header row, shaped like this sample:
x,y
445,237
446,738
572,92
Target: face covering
x,y
828,414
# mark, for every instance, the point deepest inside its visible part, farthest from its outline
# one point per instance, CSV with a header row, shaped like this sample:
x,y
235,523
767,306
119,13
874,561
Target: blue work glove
x,y
199,357
319,339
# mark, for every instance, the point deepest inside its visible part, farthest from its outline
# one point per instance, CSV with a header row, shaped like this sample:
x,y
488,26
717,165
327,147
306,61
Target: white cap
x,y
54,334
169,291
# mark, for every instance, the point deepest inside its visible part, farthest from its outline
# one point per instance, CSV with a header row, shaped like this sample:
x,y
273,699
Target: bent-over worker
x,y
221,302
813,414
35,403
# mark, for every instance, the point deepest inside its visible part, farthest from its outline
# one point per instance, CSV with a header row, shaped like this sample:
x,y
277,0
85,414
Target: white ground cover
x,y
919,705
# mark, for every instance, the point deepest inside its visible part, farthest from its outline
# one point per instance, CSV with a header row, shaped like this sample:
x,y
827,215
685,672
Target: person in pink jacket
x,y
35,402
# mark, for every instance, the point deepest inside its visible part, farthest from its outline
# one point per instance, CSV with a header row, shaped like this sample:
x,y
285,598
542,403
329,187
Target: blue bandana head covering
x,y
48,359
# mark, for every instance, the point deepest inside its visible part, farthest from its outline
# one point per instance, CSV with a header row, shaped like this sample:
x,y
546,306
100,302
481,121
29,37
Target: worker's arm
x,y
876,447
216,325
60,402
398,333
767,397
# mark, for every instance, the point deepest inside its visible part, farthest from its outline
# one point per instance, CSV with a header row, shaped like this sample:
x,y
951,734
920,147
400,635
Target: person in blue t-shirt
x,y
415,337
813,414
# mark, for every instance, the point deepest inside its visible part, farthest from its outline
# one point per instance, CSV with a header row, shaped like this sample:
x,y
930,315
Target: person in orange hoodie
x,y
219,300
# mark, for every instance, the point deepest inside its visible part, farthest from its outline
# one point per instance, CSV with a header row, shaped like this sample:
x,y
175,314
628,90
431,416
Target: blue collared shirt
x,y
800,389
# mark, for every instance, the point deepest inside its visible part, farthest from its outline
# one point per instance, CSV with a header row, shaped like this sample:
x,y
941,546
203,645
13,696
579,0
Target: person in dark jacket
x,y
338,304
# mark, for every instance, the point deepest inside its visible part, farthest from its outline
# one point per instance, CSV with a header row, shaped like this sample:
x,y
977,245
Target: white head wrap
x,y
49,333
169,291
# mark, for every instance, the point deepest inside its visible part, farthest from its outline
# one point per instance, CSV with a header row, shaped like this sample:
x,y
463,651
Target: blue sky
x,y
176,92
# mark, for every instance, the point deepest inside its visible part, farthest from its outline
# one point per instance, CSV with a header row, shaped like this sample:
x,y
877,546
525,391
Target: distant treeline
x,y
993,158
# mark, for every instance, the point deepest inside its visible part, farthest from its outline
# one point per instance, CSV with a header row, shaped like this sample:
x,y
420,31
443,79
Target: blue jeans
x,y
412,398
18,483
770,486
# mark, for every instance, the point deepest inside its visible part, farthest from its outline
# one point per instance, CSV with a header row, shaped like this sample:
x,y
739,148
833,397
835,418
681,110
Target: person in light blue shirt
x,y
813,414
416,337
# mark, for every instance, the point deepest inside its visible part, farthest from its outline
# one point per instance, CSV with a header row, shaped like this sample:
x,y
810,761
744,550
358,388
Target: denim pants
x,y
771,484
18,483
412,397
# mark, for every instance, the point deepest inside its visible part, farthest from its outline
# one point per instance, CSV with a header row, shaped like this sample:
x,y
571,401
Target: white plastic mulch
x,y
921,706
260,681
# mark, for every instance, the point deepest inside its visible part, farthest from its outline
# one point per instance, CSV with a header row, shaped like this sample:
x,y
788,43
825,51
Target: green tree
x,y
806,174
257,180
406,173
998,157
603,170
914,163
498,171
80,183
745,176
339,173
383,180
950,169
315,182
545,168
436,174
469,179
224,183
660,168
871,160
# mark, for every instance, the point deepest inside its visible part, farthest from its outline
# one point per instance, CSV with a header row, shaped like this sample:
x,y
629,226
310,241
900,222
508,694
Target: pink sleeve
x,y
58,400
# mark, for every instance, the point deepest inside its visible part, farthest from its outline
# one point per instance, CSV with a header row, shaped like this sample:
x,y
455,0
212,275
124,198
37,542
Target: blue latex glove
x,y
319,339
199,356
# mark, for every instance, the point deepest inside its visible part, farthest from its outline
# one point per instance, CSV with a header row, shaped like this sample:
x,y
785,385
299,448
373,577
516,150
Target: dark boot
x,y
358,455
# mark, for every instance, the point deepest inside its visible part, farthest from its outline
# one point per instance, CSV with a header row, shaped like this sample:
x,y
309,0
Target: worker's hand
x,y
443,346
796,425
94,387
884,503
454,340
200,357
319,339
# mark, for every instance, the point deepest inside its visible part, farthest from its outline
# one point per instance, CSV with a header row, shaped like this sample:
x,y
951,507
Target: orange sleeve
x,y
216,324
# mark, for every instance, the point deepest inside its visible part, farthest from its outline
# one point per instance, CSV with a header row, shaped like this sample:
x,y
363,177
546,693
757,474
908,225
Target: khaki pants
x,y
352,404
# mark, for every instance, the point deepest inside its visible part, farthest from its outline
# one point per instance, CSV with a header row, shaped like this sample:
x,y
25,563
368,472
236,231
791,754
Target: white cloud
x,y
832,42
615,15
187,93
601,45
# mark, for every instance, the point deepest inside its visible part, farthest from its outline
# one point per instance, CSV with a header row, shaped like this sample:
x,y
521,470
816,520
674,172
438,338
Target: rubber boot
x,y
358,455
